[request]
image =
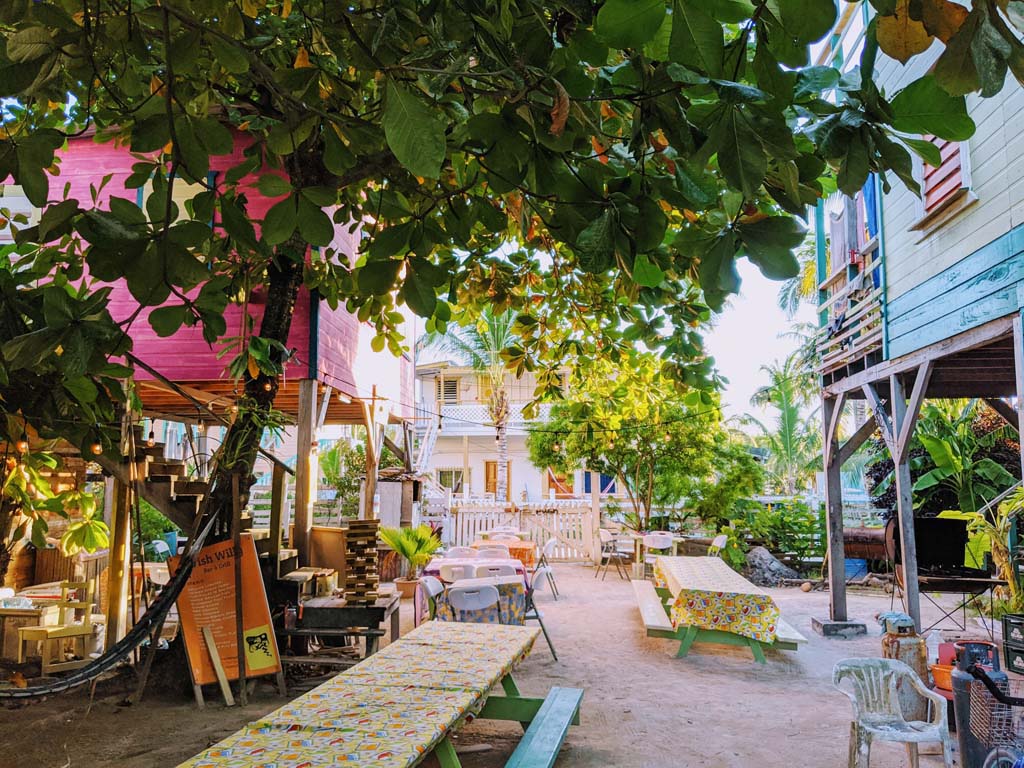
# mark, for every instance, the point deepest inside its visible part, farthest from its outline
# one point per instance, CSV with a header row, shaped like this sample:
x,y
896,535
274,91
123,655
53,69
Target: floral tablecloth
x,y
511,607
388,711
523,551
708,594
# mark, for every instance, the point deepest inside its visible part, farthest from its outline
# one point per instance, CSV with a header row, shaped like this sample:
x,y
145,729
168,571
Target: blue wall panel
x,y
980,288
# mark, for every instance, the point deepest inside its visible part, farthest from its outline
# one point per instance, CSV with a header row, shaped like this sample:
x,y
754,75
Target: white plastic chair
x,y
877,714
503,537
494,551
160,550
460,552
717,545
451,573
472,599
544,561
495,570
432,587
658,540
533,612
610,554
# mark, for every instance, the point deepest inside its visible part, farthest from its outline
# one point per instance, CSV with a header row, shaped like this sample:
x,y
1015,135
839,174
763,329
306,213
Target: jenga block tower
x,y
361,577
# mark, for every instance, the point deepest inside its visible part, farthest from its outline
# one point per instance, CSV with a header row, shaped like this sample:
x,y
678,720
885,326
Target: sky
x,y
746,336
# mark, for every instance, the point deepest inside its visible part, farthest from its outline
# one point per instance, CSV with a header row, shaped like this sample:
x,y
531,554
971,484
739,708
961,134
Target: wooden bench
x,y
543,739
657,623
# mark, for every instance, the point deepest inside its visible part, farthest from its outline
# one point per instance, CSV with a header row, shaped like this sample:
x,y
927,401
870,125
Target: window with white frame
x,y
447,390
945,189
450,478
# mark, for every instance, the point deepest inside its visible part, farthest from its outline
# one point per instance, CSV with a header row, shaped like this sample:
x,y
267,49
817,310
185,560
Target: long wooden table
x,y
702,599
393,709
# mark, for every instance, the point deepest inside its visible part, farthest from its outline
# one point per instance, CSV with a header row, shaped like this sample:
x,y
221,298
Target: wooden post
x,y
595,515
372,454
120,561
236,537
834,511
465,467
905,503
303,469
278,498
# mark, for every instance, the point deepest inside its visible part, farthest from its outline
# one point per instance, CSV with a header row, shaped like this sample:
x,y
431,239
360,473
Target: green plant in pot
x,y
415,546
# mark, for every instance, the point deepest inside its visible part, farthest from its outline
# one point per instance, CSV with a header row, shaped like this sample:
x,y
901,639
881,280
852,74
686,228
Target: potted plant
x,y
415,546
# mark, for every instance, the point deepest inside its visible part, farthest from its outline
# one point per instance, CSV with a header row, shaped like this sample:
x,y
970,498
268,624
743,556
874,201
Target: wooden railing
x,y
855,313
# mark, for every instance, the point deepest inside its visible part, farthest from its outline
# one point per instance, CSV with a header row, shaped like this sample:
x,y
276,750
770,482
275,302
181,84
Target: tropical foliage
x,y
792,438
414,545
664,449
595,168
480,345
962,456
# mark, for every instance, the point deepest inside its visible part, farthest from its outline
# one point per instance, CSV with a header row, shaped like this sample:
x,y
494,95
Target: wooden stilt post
x,y
236,537
120,562
595,516
905,503
831,414
278,491
373,448
304,435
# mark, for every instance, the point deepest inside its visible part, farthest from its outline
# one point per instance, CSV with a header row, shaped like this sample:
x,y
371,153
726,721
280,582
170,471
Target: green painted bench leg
x,y
445,754
509,685
757,650
686,642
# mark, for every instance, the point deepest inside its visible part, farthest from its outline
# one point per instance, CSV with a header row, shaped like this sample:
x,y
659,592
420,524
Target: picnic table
x,y
433,568
702,599
523,551
395,708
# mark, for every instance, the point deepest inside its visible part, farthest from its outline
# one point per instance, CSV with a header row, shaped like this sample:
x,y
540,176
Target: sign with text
x,y
208,600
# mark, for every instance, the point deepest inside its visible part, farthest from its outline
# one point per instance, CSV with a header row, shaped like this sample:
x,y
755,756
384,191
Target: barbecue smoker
x,y
941,548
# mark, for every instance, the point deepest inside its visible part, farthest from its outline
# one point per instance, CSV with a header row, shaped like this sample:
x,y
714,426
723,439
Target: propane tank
x,y
968,653
900,641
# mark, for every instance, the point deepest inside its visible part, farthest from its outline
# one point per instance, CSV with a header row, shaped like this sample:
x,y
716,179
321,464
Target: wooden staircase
x,y
166,485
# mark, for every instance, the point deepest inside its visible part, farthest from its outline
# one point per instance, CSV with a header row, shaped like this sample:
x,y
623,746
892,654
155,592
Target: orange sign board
x,y
208,600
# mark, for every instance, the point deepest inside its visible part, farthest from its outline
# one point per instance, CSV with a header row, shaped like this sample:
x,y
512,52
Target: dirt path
x,y
643,708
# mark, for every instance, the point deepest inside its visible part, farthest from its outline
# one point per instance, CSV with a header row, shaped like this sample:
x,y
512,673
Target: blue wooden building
x,y
919,297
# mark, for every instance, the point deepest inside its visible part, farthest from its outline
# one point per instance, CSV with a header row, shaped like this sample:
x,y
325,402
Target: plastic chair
x,y
544,561
473,599
717,545
461,552
160,550
877,713
452,573
610,554
432,587
503,537
493,551
496,570
658,540
533,612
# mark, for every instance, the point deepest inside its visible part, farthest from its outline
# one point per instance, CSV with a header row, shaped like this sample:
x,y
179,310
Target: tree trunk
x,y
242,441
499,415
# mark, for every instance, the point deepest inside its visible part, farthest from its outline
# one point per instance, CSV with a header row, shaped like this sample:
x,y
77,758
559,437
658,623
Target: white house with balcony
x,y
458,446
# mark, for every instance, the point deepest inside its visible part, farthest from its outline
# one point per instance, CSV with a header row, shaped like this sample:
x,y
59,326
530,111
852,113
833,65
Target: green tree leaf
x,y
167,320
629,23
595,245
770,243
414,131
924,107
646,273
418,291
272,185
280,221
807,20
29,44
741,157
315,226
697,39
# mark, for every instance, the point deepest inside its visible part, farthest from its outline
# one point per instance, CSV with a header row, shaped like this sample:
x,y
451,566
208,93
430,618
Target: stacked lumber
x,y
361,577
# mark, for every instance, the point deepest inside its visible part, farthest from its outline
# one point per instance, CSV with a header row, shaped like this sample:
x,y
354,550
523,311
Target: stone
x,y
840,630
765,570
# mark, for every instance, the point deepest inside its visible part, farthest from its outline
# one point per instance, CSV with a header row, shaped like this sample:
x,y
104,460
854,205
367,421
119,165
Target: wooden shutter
x,y
447,390
943,183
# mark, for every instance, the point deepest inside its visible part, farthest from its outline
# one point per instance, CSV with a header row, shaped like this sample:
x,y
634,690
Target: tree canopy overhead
x,y
594,167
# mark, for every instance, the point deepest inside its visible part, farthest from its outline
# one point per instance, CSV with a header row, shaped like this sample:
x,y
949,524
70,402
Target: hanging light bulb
x,y
234,407
556,447
267,386
96,448
151,440
22,444
344,399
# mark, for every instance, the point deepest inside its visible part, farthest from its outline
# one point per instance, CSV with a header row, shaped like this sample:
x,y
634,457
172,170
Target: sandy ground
x,y
642,708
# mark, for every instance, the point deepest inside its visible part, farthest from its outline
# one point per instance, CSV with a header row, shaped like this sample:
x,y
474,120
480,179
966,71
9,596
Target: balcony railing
x,y
854,307
474,419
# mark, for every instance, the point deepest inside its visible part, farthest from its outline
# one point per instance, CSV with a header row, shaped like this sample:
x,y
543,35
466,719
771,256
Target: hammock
x,y
137,635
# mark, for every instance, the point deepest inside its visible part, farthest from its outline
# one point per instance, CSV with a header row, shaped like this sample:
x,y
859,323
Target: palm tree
x,y
803,287
480,346
793,442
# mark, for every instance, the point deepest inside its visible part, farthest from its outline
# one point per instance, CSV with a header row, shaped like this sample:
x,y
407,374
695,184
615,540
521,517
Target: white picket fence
x,y
570,522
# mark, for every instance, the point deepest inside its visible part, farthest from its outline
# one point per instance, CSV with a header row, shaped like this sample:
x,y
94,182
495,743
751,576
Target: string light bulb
x,y
22,444
96,448
556,447
267,386
234,408
344,399
151,440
